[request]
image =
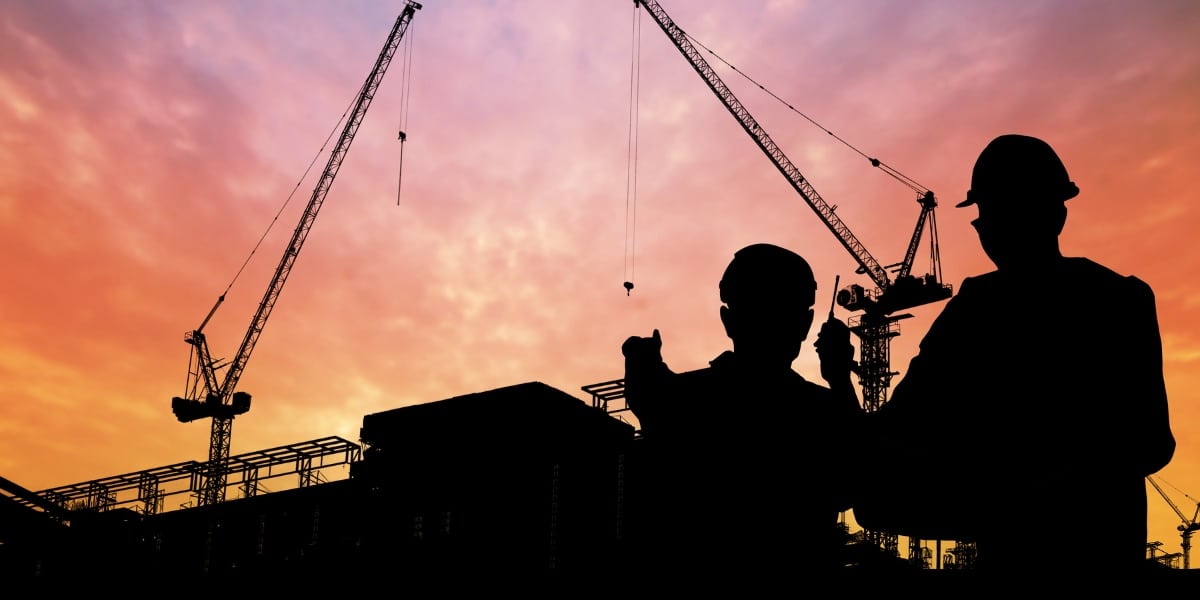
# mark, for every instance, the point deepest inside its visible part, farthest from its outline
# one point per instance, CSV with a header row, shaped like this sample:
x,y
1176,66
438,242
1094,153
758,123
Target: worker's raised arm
x,y
646,377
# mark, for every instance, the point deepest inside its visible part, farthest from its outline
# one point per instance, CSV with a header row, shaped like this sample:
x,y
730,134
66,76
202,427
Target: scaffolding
x,y
146,491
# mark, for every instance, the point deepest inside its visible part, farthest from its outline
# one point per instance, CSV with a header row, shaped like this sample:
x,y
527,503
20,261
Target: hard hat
x,y
763,271
1019,165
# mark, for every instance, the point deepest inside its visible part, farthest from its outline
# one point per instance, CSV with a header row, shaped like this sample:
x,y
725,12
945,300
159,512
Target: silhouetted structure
x,y
522,487
523,483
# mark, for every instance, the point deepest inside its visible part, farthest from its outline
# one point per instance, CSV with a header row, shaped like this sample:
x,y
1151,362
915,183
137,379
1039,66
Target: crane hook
x,y
628,287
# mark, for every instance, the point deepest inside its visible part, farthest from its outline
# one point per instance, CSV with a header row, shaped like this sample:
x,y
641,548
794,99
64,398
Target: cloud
x,y
147,147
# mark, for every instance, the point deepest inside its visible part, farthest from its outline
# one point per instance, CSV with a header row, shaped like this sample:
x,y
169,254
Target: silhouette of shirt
x,y
1028,421
745,472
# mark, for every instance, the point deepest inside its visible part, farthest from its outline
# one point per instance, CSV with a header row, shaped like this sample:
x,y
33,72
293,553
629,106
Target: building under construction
x,y
525,482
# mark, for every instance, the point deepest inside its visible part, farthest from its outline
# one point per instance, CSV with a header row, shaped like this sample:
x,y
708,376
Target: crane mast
x,y
877,325
207,395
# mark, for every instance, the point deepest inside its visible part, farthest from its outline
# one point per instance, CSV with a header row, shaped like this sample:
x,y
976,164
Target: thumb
x,y
657,337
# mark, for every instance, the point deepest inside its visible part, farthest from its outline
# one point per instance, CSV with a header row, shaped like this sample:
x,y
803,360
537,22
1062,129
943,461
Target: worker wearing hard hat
x,y
738,468
1036,405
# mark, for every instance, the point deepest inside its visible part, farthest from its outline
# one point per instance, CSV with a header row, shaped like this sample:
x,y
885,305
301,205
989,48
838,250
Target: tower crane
x,y
877,325
888,296
1185,528
206,394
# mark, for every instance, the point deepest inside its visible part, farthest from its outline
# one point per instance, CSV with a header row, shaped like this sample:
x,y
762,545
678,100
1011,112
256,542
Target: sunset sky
x,y
146,147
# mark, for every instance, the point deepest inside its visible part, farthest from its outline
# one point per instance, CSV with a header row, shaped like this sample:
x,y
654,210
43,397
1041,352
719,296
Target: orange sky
x,y
145,147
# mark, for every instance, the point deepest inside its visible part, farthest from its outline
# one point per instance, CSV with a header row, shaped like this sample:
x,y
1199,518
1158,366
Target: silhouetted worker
x,y
1036,407
745,458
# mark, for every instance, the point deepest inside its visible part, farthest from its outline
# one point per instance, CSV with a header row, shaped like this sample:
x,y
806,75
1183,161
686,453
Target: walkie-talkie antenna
x,y
833,302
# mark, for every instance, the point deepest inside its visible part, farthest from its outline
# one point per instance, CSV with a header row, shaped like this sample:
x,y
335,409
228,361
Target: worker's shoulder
x,y
725,374
811,387
1090,274
1073,271
974,283
708,379
698,376
1087,267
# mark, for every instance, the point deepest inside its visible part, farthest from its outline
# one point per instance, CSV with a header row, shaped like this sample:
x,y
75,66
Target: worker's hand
x,y
644,369
836,352
642,353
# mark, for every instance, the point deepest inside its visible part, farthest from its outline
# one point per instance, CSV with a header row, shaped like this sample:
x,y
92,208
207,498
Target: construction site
x,y
525,481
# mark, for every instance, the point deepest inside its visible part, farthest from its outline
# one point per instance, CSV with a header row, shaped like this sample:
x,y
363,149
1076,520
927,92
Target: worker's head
x,y
1020,187
768,294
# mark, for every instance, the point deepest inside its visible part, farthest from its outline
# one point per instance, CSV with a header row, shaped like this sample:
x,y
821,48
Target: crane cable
x,y
406,85
288,200
631,153
875,162
407,79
